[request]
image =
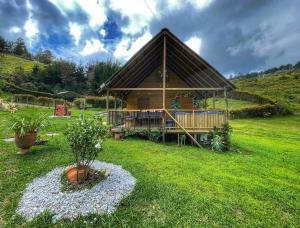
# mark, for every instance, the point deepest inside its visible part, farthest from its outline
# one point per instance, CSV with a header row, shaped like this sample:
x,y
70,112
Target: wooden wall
x,y
155,97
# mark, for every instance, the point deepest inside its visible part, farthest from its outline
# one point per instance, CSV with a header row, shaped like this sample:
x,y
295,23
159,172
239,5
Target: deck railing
x,y
189,119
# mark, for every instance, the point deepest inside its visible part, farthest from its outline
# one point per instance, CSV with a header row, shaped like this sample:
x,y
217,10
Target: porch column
x,y
107,105
115,102
214,99
164,88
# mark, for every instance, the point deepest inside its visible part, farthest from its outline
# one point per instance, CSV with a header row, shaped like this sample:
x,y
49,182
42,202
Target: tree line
x,y
287,67
58,74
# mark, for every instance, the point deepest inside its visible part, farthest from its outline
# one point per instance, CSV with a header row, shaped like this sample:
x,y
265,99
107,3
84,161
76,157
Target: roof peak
x,y
165,29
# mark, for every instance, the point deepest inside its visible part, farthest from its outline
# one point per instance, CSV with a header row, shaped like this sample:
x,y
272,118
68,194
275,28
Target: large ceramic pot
x,y
77,174
24,142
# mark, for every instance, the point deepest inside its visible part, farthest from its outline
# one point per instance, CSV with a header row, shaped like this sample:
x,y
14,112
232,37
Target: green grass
x,y
8,64
281,86
258,185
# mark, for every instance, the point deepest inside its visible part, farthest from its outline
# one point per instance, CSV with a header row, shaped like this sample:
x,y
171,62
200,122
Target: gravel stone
x,y
44,193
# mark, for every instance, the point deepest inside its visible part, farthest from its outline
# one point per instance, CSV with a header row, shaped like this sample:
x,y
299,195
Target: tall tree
x,y
20,48
99,72
3,44
44,56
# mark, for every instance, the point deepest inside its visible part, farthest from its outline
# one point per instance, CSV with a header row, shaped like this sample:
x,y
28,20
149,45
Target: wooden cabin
x,y
166,85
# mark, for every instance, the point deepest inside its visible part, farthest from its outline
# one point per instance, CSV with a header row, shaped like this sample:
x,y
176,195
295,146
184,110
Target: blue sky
x,y
234,36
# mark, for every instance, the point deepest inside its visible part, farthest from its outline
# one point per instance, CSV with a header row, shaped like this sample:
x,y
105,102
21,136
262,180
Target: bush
x,y
45,101
220,139
78,102
265,110
24,124
85,137
151,134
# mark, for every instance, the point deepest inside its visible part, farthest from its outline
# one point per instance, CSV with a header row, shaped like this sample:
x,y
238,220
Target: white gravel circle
x,y
44,193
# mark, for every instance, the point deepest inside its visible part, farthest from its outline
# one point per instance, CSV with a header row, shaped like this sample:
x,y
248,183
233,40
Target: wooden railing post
x,y
226,104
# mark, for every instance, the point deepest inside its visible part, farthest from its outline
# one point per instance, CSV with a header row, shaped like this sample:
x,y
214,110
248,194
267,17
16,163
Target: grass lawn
x,y
256,185
8,64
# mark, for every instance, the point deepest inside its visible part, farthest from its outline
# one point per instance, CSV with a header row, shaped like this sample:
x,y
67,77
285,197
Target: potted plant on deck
x,y
26,128
85,137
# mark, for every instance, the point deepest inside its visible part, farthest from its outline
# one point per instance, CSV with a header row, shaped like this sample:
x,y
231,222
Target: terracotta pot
x,y
77,174
117,136
26,141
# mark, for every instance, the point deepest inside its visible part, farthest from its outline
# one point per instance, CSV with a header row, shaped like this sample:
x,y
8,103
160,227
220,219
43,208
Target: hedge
x,y
265,110
95,102
45,101
9,87
24,98
245,96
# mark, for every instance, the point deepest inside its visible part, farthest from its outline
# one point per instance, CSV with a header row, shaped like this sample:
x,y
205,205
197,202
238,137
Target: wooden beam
x,y
161,89
198,58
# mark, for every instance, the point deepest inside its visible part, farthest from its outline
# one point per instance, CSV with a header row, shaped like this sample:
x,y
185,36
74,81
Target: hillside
x,y
281,86
8,64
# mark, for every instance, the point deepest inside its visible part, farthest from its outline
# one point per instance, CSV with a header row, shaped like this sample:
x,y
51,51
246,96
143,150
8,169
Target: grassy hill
x,y
280,86
8,64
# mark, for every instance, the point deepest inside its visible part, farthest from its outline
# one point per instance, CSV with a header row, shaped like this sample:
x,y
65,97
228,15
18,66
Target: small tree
x,y
85,137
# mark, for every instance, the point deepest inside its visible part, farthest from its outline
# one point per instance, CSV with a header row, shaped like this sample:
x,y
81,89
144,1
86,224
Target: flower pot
x,y
77,174
26,141
117,136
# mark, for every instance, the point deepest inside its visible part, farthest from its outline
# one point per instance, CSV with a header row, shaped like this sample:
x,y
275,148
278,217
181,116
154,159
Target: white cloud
x,y
125,49
94,9
75,31
31,28
102,32
176,4
200,4
138,13
15,29
92,46
194,43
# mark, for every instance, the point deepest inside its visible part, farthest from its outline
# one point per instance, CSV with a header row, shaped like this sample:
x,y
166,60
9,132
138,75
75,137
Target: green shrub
x,y
220,139
23,124
78,102
152,134
217,143
127,132
99,102
85,137
265,110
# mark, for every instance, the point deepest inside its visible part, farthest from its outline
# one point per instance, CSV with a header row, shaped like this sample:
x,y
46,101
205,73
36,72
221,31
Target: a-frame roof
x,y
180,59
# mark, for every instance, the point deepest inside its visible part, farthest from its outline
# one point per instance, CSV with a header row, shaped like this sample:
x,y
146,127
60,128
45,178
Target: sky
x,y
233,36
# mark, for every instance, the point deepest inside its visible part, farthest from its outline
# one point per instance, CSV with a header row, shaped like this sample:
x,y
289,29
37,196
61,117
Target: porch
x,y
168,121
